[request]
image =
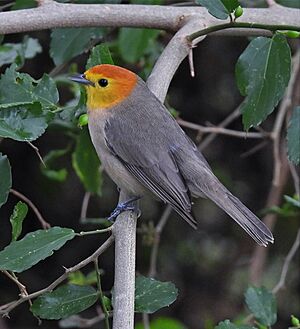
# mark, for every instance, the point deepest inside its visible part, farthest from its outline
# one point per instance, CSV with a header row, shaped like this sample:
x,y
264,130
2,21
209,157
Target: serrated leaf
x,y
5,181
64,301
67,43
293,137
86,163
18,52
58,175
99,55
219,8
262,73
34,247
133,43
16,219
151,295
262,304
24,122
229,325
20,88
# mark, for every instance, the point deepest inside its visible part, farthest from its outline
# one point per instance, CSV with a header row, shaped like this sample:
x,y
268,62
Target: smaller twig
x,y
287,263
101,295
255,149
41,219
158,229
296,178
13,278
7,6
36,150
146,321
83,233
85,204
271,3
220,130
191,63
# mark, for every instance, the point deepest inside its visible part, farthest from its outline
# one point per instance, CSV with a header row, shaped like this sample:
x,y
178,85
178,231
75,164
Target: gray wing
x,y
140,136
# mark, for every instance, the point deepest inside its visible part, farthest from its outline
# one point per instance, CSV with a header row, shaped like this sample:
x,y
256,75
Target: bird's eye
x,y
103,82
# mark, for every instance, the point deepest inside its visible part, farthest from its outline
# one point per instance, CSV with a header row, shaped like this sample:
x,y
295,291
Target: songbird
x,y
144,150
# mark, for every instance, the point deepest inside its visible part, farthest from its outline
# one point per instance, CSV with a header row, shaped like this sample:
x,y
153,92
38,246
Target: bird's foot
x,y
124,206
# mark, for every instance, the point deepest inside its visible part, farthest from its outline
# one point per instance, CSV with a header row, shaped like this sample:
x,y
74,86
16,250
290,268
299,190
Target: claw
x,y
121,207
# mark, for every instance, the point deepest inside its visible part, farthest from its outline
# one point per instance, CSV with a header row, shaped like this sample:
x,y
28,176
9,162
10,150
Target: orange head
x,y
107,85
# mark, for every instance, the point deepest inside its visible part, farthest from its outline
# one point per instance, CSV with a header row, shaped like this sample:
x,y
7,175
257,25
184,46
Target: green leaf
x,y
99,55
163,323
262,73
289,3
67,43
133,43
86,163
151,295
64,301
219,8
23,4
20,88
24,122
18,52
16,219
293,137
58,175
229,325
34,247
262,304
5,181
80,279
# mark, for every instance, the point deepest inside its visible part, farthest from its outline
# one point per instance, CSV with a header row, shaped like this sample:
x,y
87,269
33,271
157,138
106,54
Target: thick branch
x,y
51,14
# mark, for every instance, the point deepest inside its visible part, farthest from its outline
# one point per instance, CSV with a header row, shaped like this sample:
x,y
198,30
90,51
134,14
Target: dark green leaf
x,y
23,4
151,295
67,43
5,181
229,325
24,122
263,72
262,304
58,175
99,55
34,247
86,163
134,42
219,8
289,3
293,137
18,52
64,301
19,88
16,219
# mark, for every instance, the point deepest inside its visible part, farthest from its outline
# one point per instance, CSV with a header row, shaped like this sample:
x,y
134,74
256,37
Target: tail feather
x,y
242,216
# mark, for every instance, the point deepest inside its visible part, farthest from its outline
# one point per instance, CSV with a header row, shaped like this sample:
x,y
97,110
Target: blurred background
x,y
210,266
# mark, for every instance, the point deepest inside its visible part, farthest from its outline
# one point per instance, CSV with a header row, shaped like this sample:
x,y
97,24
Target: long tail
x,y
241,215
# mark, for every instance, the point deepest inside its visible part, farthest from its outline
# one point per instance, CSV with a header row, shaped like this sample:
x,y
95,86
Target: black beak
x,y
81,79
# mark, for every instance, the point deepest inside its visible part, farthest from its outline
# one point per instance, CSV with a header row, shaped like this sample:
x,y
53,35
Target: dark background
x,y
210,266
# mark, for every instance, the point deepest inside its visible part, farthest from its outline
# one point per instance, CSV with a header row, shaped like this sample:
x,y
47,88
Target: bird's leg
x,y
124,206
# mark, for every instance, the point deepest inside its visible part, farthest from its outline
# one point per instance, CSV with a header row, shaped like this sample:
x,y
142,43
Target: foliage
x,y
31,107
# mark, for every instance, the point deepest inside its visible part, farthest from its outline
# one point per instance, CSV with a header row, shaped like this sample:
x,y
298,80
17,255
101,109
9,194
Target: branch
x,y
221,130
287,263
5,309
124,231
51,14
39,216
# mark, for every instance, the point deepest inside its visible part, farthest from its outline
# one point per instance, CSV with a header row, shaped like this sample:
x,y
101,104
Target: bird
x,y
145,152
